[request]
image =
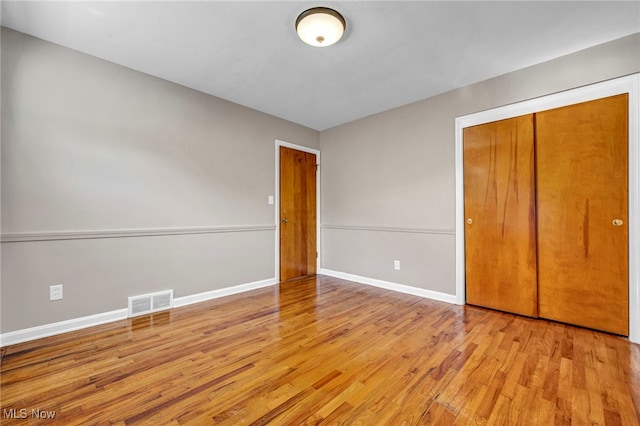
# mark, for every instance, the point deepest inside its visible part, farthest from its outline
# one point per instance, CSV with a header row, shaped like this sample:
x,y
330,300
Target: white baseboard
x,y
33,333
228,291
401,288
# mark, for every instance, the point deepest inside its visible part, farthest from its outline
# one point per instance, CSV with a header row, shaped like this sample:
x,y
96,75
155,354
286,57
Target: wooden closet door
x,y
582,214
499,205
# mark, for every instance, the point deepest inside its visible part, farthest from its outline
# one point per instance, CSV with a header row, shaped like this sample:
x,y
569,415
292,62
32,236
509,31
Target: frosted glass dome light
x,y
320,26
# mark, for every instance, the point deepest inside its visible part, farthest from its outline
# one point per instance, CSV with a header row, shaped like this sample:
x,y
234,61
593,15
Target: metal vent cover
x,y
149,303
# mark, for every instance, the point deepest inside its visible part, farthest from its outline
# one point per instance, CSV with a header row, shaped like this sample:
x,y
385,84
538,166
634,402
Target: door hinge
x,y
316,255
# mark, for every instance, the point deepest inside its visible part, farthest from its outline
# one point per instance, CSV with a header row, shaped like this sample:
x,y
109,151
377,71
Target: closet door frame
x,y
631,86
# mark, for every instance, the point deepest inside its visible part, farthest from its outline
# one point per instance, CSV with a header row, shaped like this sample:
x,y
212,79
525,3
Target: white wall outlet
x,y
270,200
396,265
55,292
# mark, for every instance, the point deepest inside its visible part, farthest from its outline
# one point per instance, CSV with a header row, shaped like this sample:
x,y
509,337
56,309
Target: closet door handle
x,y
617,222
284,220
469,221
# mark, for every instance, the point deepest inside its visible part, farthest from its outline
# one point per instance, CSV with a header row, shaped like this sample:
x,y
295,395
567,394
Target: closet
x,y
545,204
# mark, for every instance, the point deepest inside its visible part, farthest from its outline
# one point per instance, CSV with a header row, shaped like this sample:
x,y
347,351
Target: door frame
x,y
278,144
629,84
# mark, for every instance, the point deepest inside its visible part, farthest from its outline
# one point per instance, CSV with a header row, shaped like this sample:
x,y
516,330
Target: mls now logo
x,y
23,413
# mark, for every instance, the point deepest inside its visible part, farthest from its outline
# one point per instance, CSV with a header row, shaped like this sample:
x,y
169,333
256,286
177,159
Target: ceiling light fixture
x,y
320,26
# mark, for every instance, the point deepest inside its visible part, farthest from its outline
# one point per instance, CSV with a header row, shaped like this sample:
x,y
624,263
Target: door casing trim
x,y
629,84
278,144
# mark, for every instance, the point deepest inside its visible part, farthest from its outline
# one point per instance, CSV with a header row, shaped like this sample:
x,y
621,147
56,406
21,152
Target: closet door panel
x,y
500,243
582,214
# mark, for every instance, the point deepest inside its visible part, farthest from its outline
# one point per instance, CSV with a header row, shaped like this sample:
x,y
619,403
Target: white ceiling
x,y
393,52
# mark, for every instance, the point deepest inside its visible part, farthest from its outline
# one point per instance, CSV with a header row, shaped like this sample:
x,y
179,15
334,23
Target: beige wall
x,y
388,180
88,145
91,146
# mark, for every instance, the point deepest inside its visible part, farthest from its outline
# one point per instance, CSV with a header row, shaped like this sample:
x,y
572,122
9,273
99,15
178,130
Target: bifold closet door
x,y
582,214
499,204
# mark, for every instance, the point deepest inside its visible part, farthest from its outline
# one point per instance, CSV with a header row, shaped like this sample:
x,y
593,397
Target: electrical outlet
x,y
396,265
55,292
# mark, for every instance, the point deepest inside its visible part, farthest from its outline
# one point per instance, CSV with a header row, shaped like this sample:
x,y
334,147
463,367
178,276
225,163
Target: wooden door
x,y
499,205
582,214
297,214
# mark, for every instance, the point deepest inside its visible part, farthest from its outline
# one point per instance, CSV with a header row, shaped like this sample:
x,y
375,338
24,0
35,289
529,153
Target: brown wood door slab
x,y
582,189
499,204
297,214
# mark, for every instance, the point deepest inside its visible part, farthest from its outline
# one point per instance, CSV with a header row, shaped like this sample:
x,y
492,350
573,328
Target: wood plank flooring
x,y
324,351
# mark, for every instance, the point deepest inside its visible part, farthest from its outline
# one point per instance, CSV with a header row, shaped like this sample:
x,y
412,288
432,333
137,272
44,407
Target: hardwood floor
x,y
324,351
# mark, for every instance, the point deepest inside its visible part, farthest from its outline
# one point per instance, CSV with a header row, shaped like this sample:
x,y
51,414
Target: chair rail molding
x,y
16,237
390,229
